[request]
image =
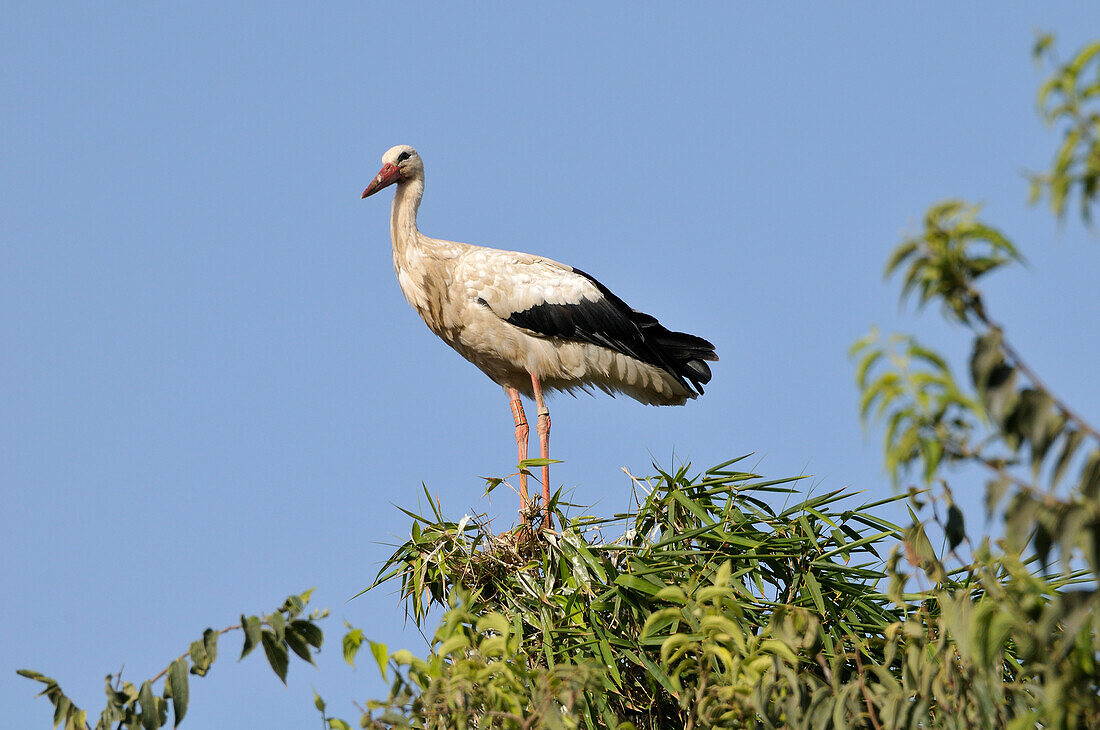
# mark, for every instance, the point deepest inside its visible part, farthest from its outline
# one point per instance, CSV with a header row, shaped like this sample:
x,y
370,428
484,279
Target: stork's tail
x,y
685,354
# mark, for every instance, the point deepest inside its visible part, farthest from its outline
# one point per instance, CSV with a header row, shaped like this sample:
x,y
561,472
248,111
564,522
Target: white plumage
x,y
531,323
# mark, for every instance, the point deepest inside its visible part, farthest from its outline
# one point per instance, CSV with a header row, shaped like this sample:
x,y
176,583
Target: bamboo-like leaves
x,y
719,611
910,388
945,259
581,598
1070,99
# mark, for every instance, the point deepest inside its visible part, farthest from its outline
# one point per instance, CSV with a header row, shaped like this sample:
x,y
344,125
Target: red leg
x,y
544,449
522,432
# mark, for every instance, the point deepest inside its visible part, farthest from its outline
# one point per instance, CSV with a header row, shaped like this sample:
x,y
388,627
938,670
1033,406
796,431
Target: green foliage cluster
x,y
713,610
1004,420
583,601
477,676
1070,100
280,632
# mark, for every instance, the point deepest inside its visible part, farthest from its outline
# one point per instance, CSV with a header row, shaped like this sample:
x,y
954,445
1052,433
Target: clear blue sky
x,y
213,391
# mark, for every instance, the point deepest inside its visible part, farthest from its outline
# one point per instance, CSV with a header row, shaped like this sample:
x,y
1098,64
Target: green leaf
x,y
995,491
181,693
1090,477
210,644
381,656
955,529
1020,520
920,552
529,463
493,622
148,707
78,720
278,625
318,702
865,365
277,655
353,639
200,660
298,644
1069,444
815,591
403,657
654,671
638,584
310,631
1000,392
62,706
252,634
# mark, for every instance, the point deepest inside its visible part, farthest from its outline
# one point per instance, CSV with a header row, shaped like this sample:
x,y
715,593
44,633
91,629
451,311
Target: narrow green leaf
x,y
148,706
181,693
61,708
638,584
654,671
851,546
31,674
529,463
815,591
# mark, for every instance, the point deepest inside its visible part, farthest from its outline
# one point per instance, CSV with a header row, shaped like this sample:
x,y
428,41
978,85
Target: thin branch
x,y
998,468
979,310
866,693
187,653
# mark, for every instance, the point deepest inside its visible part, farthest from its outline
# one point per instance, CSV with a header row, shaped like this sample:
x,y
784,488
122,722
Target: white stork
x,y
532,324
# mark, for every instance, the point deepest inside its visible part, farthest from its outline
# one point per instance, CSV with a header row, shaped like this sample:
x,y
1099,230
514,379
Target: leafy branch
x,y
279,633
1006,418
1070,99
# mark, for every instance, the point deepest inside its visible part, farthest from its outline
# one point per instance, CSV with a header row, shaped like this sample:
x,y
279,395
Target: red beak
x,y
388,175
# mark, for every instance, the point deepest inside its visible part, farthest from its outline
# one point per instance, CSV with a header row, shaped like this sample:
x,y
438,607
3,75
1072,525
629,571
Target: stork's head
x,y
398,164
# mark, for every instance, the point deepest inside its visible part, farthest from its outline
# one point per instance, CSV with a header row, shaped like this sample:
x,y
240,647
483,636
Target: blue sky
x,y
214,391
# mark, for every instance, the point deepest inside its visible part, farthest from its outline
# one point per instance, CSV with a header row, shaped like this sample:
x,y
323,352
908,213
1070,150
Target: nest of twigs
x,y
495,556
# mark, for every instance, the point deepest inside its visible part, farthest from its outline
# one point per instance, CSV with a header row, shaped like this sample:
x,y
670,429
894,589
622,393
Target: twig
x,y
824,668
999,470
866,693
187,653
979,310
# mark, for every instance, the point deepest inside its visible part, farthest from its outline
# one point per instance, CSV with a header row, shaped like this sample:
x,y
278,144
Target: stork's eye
x,y
404,156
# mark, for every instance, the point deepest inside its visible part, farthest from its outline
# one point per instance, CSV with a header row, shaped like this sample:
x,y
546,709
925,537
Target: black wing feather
x,y
609,322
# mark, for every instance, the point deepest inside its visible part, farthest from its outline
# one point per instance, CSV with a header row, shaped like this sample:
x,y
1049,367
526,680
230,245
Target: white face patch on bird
x,y
398,163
